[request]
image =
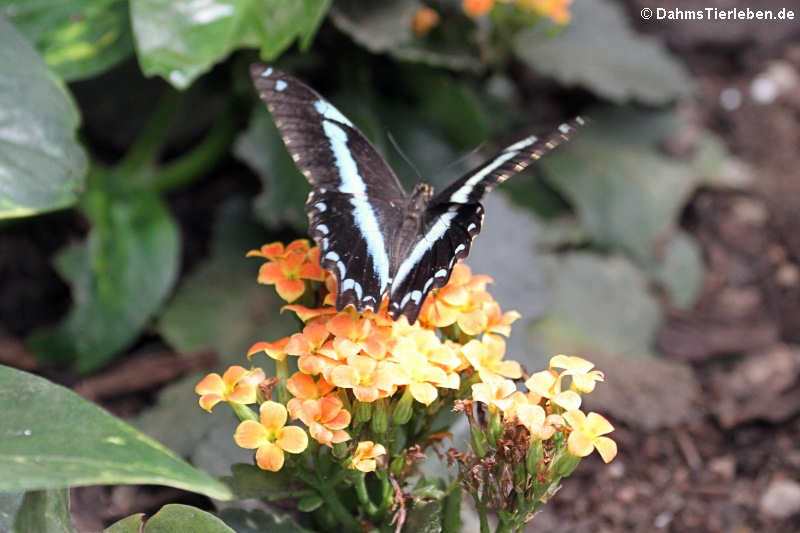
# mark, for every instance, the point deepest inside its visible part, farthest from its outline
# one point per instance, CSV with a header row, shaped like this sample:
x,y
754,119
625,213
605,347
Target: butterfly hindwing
x,y
353,187
454,218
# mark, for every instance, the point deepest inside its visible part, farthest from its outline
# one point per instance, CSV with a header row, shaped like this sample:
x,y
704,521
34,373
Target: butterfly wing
x,y
455,216
356,203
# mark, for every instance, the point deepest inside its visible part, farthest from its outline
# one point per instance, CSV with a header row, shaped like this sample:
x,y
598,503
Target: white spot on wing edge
x,y
323,228
564,128
280,85
267,73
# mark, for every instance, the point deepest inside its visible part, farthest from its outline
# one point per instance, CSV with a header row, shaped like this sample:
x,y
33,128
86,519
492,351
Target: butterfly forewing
x,y
356,202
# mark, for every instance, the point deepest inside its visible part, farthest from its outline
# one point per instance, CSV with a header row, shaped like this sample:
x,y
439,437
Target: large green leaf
x,y
42,166
120,276
597,304
599,51
77,38
284,188
53,438
171,519
181,39
46,511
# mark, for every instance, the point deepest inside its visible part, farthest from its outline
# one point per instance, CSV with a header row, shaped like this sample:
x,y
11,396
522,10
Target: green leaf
x,y
170,519
309,503
77,38
284,188
182,39
248,481
597,304
627,194
600,52
44,510
10,503
120,276
258,521
42,166
680,270
53,438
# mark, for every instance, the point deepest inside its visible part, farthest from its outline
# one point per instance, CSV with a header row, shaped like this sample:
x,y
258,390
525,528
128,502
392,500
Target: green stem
x,y
197,161
145,150
363,495
282,373
337,507
481,507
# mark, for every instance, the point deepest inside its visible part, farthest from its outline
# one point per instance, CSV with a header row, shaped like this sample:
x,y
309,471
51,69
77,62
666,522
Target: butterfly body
x,y
377,240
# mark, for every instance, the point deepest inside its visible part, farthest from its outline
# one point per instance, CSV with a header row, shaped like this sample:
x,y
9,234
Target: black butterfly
x,y
376,239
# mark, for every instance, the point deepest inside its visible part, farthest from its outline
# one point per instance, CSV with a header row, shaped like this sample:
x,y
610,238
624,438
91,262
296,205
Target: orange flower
x,y
325,419
477,8
548,385
287,268
459,302
237,385
276,350
486,357
271,436
365,455
425,19
354,334
496,392
587,434
497,321
369,379
303,387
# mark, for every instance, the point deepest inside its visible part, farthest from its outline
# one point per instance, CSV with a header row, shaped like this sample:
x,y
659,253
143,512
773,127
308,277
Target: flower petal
x,y
273,415
606,447
211,384
292,439
269,457
250,434
290,289
424,393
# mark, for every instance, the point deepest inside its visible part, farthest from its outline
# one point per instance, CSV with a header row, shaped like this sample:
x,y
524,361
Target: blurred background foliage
x,y
139,116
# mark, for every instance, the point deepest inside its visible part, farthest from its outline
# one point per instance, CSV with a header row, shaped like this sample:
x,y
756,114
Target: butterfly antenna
x,y
464,157
402,154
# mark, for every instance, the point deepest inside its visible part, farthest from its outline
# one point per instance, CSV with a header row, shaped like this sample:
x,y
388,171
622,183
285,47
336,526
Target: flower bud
x,y
403,408
340,450
362,411
380,416
535,454
398,464
478,441
495,426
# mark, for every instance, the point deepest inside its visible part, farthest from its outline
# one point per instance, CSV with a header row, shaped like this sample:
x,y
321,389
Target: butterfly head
x,y
420,197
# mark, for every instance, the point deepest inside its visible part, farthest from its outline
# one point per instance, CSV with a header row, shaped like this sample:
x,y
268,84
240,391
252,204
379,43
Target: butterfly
x,y
375,238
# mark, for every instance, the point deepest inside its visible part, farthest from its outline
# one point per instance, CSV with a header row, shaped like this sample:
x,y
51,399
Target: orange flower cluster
x,y
557,10
345,357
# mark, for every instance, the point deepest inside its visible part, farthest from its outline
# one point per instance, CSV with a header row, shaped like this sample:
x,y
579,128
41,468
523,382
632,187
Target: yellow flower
x,y
271,436
486,357
586,435
540,425
237,385
583,377
497,392
547,384
365,455
418,373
